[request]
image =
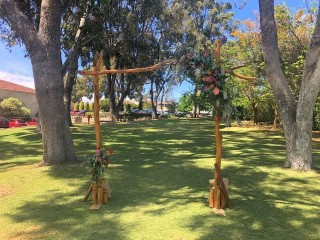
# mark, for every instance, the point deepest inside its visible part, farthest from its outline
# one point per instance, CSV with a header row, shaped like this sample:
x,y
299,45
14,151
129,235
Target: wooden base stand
x,y
101,193
218,197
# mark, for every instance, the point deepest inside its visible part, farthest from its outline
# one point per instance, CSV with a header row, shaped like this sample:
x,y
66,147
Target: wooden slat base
x,y
95,206
100,194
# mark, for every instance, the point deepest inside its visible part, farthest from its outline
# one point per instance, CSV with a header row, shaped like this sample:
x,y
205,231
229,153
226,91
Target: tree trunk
x,y
255,113
275,119
56,135
140,106
153,101
70,81
122,97
297,118
195,103
161,102
44,49
114,112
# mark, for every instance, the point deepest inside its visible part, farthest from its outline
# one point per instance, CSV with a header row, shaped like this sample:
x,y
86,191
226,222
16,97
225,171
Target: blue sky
x,y
14,67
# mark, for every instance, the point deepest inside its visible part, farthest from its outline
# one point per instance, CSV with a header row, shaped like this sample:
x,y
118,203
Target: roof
x,y
15,87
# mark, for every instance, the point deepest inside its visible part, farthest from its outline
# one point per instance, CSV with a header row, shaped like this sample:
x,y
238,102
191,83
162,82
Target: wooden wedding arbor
x,y
101,192
218,197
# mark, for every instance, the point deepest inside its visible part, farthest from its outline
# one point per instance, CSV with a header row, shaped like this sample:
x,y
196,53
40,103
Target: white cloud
x,y
17,78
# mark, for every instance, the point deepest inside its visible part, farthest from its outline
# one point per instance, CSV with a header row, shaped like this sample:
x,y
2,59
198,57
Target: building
x,y
26,95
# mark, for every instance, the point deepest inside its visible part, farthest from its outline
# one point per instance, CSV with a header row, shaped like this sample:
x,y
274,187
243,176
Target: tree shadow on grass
x,y
17,145
168,164
260,212
59,218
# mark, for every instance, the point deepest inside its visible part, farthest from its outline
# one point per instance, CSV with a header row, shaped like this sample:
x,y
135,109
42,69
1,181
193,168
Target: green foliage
x,y
202,68
89,113
185,103
76,106
13,107
172,107
98,163
316,115
82,88
127,107
81,105
105,105
91,106
87,106
146,104
204,100
294,31
159,175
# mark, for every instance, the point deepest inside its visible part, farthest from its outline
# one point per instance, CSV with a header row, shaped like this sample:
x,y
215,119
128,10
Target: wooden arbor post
x,y
219,197
96,102
101,191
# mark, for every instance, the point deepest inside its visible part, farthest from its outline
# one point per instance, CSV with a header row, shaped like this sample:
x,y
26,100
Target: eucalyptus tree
x,y
203,21
72,38
37,25
297,114
245,50
128,39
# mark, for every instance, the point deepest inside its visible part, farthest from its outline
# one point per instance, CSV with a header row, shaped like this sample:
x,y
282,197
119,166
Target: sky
x,y
14,67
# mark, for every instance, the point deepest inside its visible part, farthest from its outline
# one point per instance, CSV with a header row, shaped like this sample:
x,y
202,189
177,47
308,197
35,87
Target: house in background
x,y
26,95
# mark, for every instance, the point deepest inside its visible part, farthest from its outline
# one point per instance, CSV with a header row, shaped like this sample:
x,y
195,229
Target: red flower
x,y
107,162
110,152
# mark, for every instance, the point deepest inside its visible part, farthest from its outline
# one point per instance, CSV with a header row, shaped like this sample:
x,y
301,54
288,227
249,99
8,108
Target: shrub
x,y
91,106
13,107
81,105
87,106
104,105
76,106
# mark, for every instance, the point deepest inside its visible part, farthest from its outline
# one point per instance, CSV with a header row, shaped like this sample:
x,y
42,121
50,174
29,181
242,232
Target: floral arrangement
x,y
98,162
202,68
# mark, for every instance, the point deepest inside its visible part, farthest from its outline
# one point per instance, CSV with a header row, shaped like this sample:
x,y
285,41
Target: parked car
x,y
78,112
134,110
16,123
4,122
148,110
32,122
74,112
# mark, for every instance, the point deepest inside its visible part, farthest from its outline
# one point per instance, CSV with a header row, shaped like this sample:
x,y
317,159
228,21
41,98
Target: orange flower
x,y
216,91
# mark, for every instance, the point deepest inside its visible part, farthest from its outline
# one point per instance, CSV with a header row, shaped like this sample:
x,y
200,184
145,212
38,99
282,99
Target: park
x,y
159,179
247,171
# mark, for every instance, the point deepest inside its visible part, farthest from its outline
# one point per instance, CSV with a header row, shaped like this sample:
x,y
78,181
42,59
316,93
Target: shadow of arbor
x,y
167,164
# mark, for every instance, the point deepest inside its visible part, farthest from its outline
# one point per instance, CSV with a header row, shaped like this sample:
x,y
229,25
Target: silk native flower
x,y
197,72
216,91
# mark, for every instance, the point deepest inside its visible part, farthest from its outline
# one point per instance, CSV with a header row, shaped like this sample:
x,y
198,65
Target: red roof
x,y
15,87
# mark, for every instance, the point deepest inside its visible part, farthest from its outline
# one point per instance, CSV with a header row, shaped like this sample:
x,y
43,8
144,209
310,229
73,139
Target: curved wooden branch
x,y
127,71
237,67
230,71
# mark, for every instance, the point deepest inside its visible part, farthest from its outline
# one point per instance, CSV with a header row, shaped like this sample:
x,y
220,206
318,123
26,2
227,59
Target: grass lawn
x,y
159,178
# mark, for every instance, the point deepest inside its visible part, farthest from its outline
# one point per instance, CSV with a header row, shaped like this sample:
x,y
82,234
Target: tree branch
x,y
271,54
74,49
14,17
313,50
126,71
